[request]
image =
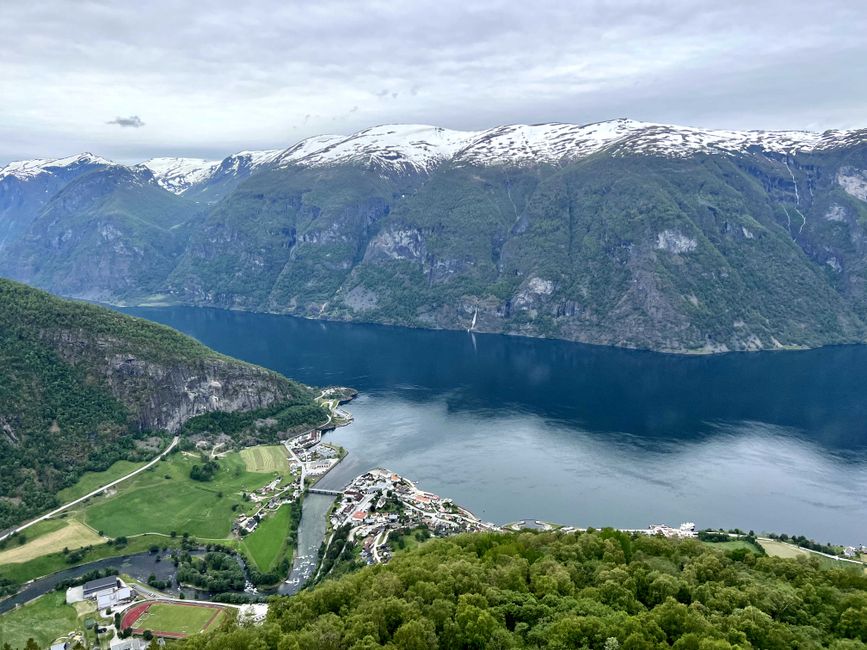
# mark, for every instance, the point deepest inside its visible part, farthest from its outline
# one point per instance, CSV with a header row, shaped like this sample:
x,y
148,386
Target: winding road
x,y
57,511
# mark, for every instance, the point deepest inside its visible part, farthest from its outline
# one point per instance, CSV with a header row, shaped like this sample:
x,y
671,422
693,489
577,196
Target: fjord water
x,y
518,428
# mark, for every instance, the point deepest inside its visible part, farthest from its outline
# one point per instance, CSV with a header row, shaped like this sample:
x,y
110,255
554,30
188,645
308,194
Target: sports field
x,y
166,499
176,620
265,544
68,534
266,458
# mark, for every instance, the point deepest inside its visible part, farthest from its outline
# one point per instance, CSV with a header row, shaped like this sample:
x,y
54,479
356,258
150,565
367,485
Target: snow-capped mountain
x,y
28,169
179,174
414,148
404,148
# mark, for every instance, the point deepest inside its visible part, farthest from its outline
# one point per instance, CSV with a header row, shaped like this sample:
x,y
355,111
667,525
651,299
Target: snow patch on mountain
x,y
418,148
27,169
396,147
178,174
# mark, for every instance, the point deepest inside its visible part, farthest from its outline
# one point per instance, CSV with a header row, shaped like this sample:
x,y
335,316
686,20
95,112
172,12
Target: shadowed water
x,y
520,428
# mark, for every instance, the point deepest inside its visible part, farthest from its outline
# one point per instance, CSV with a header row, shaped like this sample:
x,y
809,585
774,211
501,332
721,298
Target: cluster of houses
x,y
380,501
318,457
686,530
268,499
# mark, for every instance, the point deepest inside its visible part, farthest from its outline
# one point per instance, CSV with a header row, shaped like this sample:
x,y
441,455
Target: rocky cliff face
x,y
163,394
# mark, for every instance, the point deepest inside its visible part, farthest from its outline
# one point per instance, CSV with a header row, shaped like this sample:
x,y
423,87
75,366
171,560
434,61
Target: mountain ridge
x,y
606,233
419,147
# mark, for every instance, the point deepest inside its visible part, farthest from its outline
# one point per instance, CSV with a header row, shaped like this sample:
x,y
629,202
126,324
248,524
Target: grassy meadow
x,y
43,619
90,481
265,545
165,499
266,458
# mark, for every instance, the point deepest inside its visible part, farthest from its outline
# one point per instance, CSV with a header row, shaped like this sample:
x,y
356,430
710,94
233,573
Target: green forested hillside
x,y
602,590
82,386
706,252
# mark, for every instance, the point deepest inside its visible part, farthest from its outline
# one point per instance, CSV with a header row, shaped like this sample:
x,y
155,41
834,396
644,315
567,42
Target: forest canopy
x,y
601,589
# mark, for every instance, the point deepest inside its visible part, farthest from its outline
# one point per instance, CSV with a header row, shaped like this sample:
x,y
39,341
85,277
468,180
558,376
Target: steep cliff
x,y
82,386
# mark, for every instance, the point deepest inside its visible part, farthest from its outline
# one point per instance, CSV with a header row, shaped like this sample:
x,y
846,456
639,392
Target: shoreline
x,y
680,352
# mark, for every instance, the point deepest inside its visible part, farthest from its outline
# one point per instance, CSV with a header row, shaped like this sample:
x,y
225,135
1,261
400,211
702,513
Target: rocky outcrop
x,y
164,393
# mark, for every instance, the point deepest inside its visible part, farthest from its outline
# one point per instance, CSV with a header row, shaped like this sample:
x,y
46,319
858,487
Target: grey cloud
x,y
133,121
212,86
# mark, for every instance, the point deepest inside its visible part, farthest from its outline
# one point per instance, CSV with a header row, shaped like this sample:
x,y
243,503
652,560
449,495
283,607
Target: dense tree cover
x,y
204,472
260,425
215,572
583,590
76,382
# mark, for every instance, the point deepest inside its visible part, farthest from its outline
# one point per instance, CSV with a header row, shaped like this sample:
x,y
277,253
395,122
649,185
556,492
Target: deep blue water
x,y
520,428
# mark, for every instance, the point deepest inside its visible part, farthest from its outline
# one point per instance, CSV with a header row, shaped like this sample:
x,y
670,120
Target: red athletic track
x,y
134,613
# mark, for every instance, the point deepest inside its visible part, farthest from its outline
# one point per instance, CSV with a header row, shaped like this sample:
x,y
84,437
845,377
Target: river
x,y
517,428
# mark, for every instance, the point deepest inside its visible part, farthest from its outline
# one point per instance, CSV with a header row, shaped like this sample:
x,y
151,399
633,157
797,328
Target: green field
x,y
780,549
166,499
265,545
266,458
90,481
180,619
734,545
44,620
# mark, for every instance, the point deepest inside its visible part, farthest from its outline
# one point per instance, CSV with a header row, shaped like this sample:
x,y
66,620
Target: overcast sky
x,y
133,80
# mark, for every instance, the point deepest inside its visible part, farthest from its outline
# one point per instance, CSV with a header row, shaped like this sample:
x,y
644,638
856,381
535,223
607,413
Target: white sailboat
x,y
473,325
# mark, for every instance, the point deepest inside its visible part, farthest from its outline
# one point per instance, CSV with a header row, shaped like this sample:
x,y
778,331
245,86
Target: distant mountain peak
x,y
179,174
26,169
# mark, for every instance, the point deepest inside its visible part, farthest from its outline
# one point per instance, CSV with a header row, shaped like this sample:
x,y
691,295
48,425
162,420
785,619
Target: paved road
x,y
57,511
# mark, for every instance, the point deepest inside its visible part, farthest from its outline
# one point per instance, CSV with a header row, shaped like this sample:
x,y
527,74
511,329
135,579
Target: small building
x,y
95,587
130,643
107,592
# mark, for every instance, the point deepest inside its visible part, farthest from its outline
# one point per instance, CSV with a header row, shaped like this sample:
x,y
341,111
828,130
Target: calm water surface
x,y
520,428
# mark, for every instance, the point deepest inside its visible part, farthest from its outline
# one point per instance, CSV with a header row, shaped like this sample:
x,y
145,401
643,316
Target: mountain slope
x,y
82,386
104,234
622,232
25,188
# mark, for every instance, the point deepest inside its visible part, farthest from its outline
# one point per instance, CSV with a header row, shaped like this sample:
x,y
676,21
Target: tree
x,y
416,635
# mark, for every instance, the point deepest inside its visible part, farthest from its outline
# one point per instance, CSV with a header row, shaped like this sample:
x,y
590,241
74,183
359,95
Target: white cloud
x,y
267,74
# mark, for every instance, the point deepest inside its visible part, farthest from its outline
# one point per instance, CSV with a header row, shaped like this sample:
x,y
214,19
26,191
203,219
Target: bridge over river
x,y
331,493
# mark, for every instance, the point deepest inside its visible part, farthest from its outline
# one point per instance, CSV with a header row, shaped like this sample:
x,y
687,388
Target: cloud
x,y
133,121
209,89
